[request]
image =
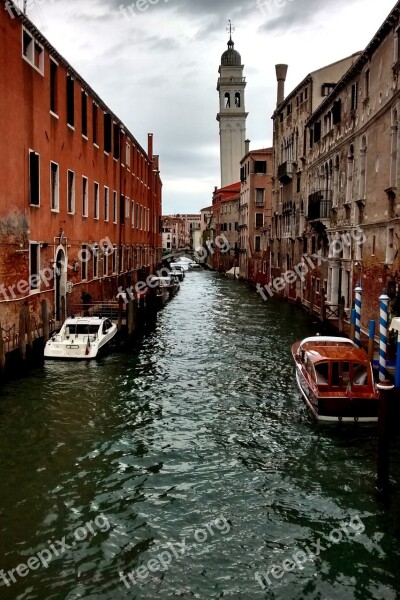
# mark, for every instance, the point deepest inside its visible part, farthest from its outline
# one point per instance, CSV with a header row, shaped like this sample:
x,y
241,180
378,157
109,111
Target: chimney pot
x,y
281,72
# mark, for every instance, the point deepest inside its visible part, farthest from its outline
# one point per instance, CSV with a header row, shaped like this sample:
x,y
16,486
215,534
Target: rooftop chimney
x,y
281,71
246,147
150,146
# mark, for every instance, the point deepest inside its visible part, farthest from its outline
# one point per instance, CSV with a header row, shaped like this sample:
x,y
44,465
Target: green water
x,y
193,457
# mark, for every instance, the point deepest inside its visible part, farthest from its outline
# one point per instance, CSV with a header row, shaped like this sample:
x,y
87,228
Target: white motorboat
x,y
80,338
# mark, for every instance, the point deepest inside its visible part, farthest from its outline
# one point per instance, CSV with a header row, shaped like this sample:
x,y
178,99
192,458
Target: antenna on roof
x,y
25,3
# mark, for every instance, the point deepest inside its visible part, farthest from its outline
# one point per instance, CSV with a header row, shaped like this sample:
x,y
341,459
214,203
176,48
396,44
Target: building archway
x,y
60,284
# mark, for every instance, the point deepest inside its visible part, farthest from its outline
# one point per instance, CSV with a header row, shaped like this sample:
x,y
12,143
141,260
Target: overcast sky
x,y
156,65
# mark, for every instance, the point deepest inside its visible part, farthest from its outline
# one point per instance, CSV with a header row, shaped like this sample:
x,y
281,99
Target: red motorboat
x,y
336,380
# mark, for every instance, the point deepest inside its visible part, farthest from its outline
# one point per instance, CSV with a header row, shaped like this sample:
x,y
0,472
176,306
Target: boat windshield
x,y
80,329
341,373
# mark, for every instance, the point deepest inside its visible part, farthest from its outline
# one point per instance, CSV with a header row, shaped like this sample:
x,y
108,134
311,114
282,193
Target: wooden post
x,y
129,316
120,309
22,336
45,320
386,397
323,306
28,325
2,351
63,309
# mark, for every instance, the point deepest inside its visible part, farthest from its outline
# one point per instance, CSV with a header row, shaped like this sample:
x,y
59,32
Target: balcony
x,y
285,171
319,205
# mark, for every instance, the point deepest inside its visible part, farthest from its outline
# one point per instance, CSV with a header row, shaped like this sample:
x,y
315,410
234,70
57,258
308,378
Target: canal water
x,y
190,463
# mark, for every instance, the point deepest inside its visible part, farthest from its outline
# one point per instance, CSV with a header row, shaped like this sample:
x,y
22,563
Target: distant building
x,y
173,233
256,170
226,223
80,198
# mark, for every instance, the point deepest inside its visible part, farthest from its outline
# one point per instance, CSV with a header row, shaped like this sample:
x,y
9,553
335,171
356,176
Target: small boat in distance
x,y
80,338
336,380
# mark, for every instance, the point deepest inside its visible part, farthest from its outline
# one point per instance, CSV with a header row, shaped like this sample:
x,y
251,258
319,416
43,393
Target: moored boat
x,y
80,338
336,380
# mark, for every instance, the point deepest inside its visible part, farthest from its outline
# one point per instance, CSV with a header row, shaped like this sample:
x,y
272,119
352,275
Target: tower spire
x,y
230,29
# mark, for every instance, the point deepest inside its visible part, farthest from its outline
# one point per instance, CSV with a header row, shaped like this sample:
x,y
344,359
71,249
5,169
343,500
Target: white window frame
x,y
56,207
71,212
115,207
106,204
85,197
96,200
133,214
29,57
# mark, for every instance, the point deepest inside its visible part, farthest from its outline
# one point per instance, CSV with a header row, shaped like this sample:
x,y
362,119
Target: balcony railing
x,y
319,205
285,171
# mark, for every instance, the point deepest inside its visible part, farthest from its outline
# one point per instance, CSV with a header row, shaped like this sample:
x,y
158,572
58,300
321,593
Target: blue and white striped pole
x,y
357,335
383,326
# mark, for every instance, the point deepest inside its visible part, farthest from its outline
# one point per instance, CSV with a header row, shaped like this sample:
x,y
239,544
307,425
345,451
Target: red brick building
x,y
80,198
225,210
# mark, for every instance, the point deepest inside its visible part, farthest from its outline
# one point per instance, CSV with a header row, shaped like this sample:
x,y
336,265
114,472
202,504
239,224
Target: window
x,y
389,246
259,220
260,196
114,259
32,51
95,124
117,133
95,261
96,200
107,132
260,166
84,197
373,244
34,178
70,101
53,86
115,207
127,207
366,83
133,214
84,260
34,265
327,88
317,131
84,113
289,109
354,93
54,187
128,155
257,243
337,111
106,204
70,192
298,183
121,208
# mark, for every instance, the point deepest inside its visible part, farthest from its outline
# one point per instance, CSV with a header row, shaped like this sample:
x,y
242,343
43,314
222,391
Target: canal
x,y
188,467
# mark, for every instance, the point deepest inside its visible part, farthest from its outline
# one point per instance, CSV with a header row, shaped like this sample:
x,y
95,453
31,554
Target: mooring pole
x,y
352,324
371,340
386,394
357,335
383,325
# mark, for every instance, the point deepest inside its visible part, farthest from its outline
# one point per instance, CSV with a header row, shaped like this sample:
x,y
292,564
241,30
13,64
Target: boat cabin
x,y
329,368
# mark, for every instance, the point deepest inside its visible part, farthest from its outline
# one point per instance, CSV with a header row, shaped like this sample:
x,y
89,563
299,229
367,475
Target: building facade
x,y
256,170
80,200
336,212
225,222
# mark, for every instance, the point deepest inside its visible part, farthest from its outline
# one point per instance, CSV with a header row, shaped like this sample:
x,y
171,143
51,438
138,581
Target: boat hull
x,y
68,350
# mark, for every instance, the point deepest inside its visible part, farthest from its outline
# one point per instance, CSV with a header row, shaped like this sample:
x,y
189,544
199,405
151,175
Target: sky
x,y
155,63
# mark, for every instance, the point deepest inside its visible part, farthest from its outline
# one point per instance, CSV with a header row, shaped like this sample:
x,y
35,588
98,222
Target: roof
x,y
231,57
263,151
208,208
347,354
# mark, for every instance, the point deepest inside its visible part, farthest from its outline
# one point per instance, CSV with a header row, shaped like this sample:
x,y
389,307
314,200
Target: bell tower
x,y
232,114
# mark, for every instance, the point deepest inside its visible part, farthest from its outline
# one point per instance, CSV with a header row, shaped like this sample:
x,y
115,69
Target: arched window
x,y
237,99
363,168
350,172
227,100
335,186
